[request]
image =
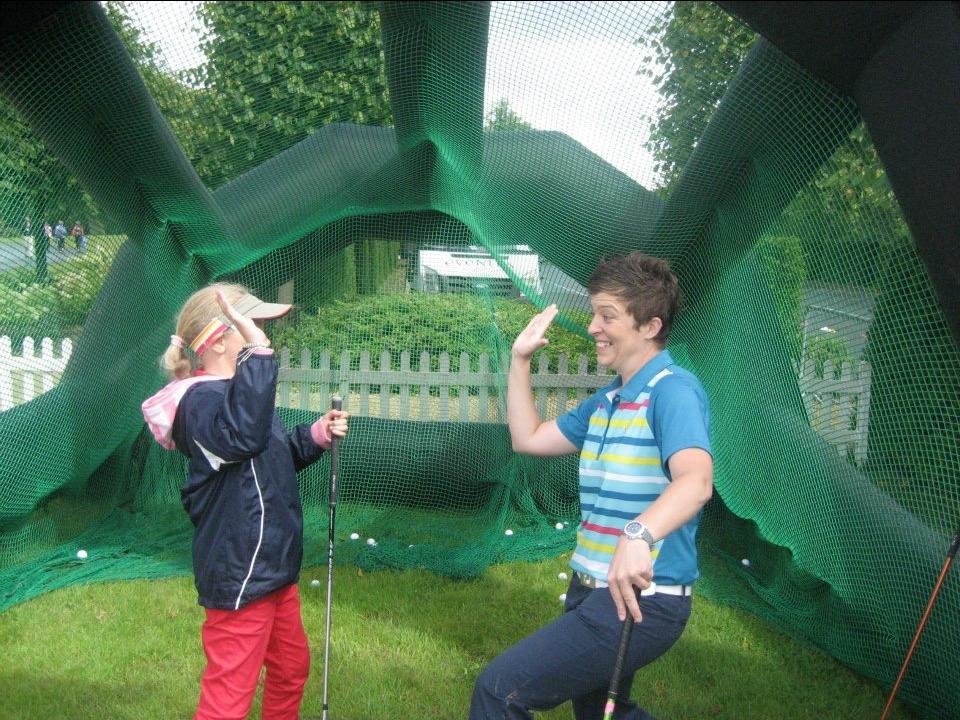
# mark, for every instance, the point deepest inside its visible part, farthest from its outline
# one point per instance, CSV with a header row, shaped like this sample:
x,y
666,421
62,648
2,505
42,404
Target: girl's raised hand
x,y
244,325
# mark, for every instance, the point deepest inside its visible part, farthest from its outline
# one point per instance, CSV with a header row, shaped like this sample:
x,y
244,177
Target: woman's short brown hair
x,y
644,283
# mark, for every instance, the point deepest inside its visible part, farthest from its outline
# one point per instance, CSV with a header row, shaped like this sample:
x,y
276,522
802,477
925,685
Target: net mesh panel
x,y
317,152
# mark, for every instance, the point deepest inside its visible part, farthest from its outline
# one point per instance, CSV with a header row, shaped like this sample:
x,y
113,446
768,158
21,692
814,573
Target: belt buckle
x,y
587,580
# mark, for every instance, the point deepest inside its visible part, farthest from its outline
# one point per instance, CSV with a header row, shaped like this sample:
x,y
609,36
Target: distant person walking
x,y
27,237
79,238
60,233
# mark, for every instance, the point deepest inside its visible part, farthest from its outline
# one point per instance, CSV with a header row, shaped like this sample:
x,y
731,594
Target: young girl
x,y
242,495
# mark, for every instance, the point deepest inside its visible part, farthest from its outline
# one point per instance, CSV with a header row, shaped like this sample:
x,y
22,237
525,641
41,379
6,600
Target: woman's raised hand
x,y
532,337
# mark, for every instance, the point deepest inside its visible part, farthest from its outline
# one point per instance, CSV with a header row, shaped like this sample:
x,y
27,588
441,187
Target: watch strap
x,y
643,533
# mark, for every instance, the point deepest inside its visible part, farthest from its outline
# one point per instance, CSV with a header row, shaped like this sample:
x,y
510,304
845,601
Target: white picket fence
x,y
838,405
378,388
401,392
20,374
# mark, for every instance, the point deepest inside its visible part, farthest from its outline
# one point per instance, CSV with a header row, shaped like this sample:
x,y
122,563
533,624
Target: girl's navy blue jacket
x,y
242,492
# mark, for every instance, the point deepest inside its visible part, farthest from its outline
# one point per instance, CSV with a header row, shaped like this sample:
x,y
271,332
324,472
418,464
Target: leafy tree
x,y
693,53
853,191
696,50
33,182
185,106
851,231
503,117
274,73
36,184
143,53
277,71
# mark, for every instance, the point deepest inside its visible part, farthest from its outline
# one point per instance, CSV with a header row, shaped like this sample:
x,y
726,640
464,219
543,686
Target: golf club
x,y
337,404
618,668
951,553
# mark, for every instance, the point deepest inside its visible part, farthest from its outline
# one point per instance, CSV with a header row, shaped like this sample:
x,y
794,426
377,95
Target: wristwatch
x,y
636,530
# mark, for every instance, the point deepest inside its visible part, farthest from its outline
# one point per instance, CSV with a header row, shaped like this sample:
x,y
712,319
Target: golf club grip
x,y
336,403
955,545
618,667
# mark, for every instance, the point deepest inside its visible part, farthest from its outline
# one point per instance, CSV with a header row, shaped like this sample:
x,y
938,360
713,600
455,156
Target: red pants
x,y
238,643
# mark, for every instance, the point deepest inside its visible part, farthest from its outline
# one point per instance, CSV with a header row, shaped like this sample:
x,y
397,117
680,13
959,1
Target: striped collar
x,y
644,375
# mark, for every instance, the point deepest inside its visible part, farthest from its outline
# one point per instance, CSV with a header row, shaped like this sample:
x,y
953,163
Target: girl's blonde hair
x,y
199,309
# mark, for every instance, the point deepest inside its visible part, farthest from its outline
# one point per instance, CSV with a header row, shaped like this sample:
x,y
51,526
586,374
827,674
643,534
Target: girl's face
x,y
221,358
233,343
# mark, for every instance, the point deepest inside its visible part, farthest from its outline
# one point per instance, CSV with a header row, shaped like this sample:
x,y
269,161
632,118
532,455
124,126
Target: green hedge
x,y
421,322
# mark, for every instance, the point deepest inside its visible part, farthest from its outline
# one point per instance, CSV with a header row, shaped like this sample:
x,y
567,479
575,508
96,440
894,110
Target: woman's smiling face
x,y
620,344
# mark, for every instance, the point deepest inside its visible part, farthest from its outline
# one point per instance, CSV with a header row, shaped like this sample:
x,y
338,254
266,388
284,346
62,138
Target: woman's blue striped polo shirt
x,y
626,435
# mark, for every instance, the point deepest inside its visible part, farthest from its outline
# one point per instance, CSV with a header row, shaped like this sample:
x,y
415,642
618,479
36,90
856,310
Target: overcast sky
x,y
565,66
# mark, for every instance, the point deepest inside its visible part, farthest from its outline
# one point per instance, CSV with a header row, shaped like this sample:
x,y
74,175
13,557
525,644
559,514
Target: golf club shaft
x,y
337,404
618,667
951,553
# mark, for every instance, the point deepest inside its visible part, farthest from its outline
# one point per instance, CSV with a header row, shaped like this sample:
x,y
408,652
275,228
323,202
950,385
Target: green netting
x,y
321,152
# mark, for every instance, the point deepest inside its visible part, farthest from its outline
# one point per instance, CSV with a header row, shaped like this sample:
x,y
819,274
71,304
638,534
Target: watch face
x,y
633,528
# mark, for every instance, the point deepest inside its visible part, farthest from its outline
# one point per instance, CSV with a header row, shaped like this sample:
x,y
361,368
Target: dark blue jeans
x,y
572,658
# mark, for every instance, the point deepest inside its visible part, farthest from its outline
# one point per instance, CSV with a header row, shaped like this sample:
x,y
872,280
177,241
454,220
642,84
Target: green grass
x,y
405,645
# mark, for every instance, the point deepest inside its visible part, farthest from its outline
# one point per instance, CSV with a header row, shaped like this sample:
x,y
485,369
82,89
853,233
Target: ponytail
x,y
176,362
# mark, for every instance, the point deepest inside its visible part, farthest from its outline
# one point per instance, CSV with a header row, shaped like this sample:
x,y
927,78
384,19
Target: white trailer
x,y
472,268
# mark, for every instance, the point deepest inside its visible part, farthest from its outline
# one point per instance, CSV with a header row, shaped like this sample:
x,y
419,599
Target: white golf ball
x,y
745,562
508,531
82,554
354,536
562,576
559,526
314,583
563,597
371,542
